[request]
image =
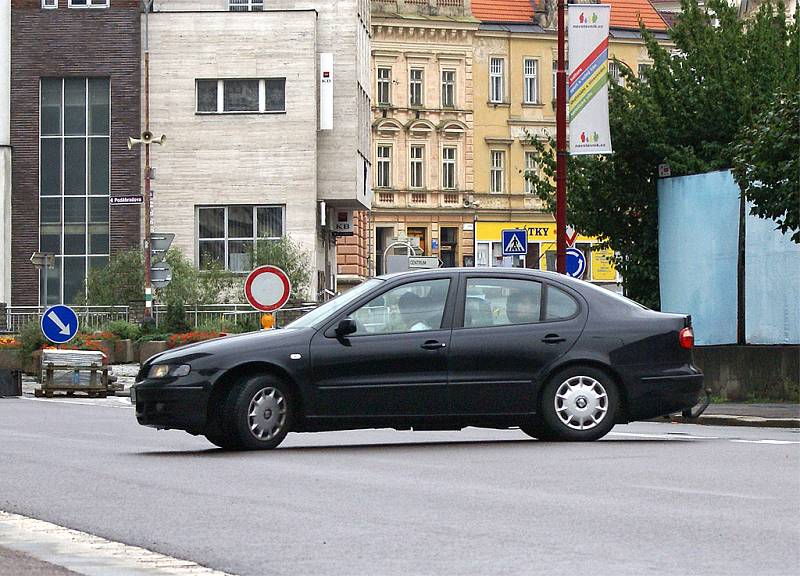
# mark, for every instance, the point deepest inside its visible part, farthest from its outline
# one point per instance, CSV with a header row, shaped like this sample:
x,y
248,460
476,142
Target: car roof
x,y
481,270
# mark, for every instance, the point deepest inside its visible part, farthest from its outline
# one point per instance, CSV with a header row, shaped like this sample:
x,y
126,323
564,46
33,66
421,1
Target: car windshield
x,y
333,306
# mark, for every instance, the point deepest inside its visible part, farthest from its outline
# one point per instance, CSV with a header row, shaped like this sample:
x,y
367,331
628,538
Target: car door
x,y
506,331
395,364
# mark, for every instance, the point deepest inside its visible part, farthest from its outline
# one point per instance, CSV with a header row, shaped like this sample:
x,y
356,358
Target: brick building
x,y
75,100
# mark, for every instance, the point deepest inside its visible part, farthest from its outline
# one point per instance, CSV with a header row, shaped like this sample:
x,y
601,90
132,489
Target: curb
x,y
726,420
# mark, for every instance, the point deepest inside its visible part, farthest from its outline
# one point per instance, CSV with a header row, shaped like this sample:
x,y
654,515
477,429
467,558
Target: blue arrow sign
x,y
576,263
515,242
59,324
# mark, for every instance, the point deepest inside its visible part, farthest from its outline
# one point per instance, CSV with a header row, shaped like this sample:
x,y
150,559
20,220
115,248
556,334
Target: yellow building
x,y
458,85
514,63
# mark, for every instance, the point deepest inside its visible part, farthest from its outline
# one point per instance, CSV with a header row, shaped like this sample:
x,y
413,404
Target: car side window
x,y
501,302
560,305
411,307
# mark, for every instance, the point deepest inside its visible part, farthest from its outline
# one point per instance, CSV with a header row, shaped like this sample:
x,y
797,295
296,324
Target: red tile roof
x,y
624,13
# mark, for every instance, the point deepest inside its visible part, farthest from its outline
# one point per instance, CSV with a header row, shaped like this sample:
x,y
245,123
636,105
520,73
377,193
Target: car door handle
x,y
553,339
434,345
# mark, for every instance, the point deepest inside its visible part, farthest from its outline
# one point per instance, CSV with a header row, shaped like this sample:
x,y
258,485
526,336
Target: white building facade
x,y
266,110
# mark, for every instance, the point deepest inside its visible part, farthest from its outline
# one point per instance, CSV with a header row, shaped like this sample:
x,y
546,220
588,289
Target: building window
x,y
74,181
49,3
644,70
227,235
498,163
531,73
384,166
266,95
530,168
384,86
614,73
418,166
448,88
82,3
245,5
449,168
496,79
417,76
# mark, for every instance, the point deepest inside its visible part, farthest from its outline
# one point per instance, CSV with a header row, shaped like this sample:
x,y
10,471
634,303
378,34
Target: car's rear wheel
x,y
579,403
258,413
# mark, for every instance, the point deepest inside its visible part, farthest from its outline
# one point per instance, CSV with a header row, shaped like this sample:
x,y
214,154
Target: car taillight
x,y
686,338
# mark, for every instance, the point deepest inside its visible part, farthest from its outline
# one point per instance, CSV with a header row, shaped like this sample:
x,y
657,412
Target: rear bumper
x,y
653,396
170,406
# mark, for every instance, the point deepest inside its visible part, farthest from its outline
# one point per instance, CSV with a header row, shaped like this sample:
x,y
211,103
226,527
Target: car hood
x,y
235,344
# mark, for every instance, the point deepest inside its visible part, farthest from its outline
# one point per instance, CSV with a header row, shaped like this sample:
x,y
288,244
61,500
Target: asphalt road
x,y
651,498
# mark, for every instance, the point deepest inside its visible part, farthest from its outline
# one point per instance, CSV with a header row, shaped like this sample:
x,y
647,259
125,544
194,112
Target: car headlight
x,y
168,370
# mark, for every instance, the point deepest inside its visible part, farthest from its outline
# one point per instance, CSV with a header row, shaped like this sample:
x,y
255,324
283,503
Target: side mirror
x,y
346,326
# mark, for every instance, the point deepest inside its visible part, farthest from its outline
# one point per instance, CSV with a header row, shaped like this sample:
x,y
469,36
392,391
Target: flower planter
x,y
9,359
149,349
123,352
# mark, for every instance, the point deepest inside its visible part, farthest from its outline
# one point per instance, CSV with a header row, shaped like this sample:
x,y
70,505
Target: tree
x,y
688,112
290,257
118,283
767,167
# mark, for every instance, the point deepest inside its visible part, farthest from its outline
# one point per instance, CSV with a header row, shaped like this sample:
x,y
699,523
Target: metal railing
x,y
96,317
91,317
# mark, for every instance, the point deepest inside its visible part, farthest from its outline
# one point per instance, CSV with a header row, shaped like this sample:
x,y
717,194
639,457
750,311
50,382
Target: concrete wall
x,y
751,372
234,158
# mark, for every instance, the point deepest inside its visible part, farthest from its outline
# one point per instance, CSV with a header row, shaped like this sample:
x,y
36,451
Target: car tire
x,y
579,404
258,413
223,441
537,429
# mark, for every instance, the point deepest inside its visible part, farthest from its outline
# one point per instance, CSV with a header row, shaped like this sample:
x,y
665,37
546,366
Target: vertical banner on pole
x,y
589,131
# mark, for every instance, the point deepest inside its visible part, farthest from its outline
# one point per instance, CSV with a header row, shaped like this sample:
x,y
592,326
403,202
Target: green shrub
x,y
31,339
124,330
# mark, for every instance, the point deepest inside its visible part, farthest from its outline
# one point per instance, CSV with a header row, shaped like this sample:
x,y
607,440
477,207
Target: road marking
x,y
691,492
778,442
122,401
88,554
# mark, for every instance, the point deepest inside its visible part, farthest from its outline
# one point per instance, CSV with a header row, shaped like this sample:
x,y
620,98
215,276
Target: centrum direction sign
x,y
59,324
423,262
267,288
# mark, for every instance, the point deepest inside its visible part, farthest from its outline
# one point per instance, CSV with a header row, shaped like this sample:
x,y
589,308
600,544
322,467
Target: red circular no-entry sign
x,y
267,288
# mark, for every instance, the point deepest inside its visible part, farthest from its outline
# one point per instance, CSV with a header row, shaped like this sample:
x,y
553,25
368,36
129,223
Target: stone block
x,y
149,349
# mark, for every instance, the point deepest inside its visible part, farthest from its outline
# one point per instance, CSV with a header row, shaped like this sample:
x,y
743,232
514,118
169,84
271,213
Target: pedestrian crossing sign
x,y
515,242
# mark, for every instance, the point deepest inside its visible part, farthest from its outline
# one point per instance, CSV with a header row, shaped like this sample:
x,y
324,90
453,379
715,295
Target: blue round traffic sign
x,y
576,263
59,324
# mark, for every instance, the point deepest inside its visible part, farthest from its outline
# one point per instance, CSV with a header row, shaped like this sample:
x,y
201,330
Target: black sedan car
x,y
441,349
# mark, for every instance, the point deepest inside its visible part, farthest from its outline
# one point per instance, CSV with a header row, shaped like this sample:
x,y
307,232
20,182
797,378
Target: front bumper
x,y
171,406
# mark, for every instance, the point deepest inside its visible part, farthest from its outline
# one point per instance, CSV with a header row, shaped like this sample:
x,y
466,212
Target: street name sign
x,y
59,324
515,242
576,263
267,288
423,262
133,199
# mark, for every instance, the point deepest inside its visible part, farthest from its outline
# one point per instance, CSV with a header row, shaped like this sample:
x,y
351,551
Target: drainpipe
x,y
5,150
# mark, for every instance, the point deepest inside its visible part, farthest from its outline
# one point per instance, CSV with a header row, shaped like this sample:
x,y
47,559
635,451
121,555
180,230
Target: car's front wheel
x,y
258,413
578,403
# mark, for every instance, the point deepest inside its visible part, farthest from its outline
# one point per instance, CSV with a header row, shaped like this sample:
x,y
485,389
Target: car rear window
x,y
560,305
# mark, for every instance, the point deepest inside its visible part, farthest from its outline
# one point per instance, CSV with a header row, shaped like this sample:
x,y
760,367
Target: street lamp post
x,y
561,145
